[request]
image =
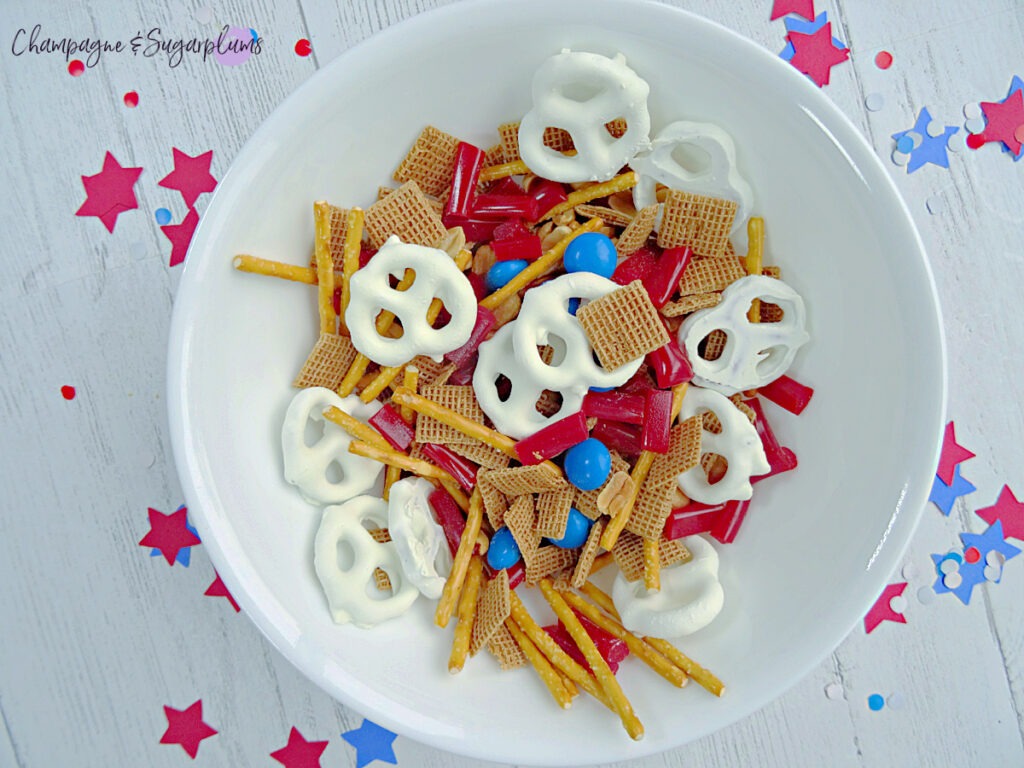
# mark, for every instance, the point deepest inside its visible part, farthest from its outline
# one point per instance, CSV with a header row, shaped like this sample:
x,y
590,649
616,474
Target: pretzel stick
x,y
411,382
457,575
324,267
652,565
619,183
356,428
391,476
547,673
503,171
596,661
467,615
684,662
396,459
602,561
426,407
350,255
243,262
538,267
755,257
636,645
602,598
451,485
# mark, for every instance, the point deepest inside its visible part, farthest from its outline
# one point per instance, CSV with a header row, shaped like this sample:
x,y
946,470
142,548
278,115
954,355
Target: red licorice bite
x,y
693,518
780,459
366,252
393,427
468,162
477,230
612,650
490,207
788,393
624,438
449,517
526,247
505,186
478,283
670,365
728,525
663,282
459,467
657,421
636,267
615,405
510,230
484,323
553,439
548,194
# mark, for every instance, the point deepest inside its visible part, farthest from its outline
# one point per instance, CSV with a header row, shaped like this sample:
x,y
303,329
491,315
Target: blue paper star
x,y
185,553
992,540
795,24
372,743
971,574
943,496
932,148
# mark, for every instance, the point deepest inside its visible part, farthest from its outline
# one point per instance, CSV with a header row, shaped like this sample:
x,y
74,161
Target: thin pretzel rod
x,y
453,585
356,428
410,381
427,407
700,675
467,615
350,255
537,268
619,183
602,598
391,476
353,375
395,459
755,259
636,645
604,675
324,267
547,673
503,171
243,262
652,565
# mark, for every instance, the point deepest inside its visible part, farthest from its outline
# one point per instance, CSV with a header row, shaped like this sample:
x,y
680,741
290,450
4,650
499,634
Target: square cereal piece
x,y
635,235
710,275
459,398
629,555
623,325
492,608
586,501
609,216
482,454
430,162
336,236
328,362
688,304
683,452
516,481
673,552
431,372
770,313
548,560
652,507
521,521
617,127
406,212
509,135
381,580
505,649
553,511
495,503
699,221
558,139
591,547
494,155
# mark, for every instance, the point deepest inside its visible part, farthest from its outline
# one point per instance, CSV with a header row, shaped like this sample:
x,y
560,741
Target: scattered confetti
x,y
67,392
975,141
110,192
169,533
1008,511
875,702
815,54
217,589
1002,119
883,59
186,728
299,753
883,609
131,99
952,453
957,142
992,540
898,604
943,496
874,101
932,148
909,572
935,128
952,580
972,111
960,582
803,8
180,236
900,158
975,125
76,68
794,24
926,595
191,175
972,555
372,743
184,555
896,701
993,573
834,691
935,205
163,216
303,47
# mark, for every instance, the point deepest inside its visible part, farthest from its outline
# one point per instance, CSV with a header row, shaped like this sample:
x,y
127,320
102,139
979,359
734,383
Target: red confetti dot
x,y
68,392
883,60
972,555
975,140
303,48
76,67
131,99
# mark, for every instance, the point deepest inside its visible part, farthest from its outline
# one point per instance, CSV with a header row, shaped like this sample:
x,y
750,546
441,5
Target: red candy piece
x,y
484,323
479,284
657,421
366,252
553,439
476,229
728,525
787,393
779,459
637,267
670,365
972,555
462,469
516,574
393,427
624,438
548,194
505,186
468,162
662,282
616,406
612,649
464,373
694,518
490,207
510,230
449,517
527,247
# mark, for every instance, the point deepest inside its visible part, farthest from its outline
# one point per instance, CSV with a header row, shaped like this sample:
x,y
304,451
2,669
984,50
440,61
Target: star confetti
x,y
943,496
992,540
372,743
803,8
932,149
969,575
185,554
110,192
299,753
1002,119
815,54
794,24
1007,511
180,236
169,533
882,609
191,176
217,589
952,454
186,728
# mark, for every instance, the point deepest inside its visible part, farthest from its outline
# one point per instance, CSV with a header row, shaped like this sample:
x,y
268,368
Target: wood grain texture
x,y
97,637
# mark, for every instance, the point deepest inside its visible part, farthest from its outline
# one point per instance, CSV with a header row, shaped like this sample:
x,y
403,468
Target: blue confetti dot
x,y
905,144
875,702
163,216
255,37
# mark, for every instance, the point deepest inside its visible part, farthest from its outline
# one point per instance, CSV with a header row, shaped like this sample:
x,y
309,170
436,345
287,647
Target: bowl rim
x,y
254,597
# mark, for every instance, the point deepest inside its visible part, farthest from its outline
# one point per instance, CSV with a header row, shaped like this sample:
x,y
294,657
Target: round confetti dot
x,y
834,691
896,701
131,99
905,144
975,125
138,250
935,128
935,206
163,216
992,573
874,101
909,572
875,702
883,59
237,47
1018,133
995,558
957,142
76,67
900,158
303,47
255,35
952,580
68,392
926,595
948,566
975,141
898,603
972,110
972,555
204,15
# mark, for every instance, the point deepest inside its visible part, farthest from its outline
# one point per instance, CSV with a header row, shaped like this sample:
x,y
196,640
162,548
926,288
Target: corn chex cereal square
x,y
328,362
622,325
492,608
699,221
688,304
710,275
516,481
495,503
553,511
609,216
652,507
505,649
591,547
521,521
458,398
406,212
430,162
548,560
482,454
431,372
636,233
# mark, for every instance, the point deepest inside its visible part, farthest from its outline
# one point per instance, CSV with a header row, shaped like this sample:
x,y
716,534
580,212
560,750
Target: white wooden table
x,y
97,637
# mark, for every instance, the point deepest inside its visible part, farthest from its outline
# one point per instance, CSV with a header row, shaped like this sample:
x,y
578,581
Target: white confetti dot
x,y
952,580
936,128
909,572
138,250
896,701
204,15
948,566
834,691
935,207
900,158
992,573
874,101
995,558
972,110
926,595
898,603
975,125
957,142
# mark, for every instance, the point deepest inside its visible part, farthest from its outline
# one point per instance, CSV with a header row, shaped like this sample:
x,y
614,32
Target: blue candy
x,y
502,552
591,252
502,272
588,464
574,304
576,530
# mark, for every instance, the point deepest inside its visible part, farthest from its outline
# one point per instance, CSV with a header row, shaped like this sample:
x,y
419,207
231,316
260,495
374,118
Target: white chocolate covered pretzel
x,y
419,540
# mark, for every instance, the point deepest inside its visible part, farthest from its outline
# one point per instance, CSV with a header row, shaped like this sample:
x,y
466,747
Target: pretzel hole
x,y
691,158
712,345
617,127
443,317
771,313
715,466
346,555
314,432
549,403
503,386
553,353
334,473
395,331
374,589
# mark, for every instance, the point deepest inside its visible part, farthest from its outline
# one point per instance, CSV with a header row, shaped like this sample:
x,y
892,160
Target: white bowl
x,y
818,544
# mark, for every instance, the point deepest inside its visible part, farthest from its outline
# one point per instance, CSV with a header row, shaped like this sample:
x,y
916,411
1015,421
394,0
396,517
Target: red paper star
x,y
1002,119
168,533
186,727
815,54
1009,511
803,8
217,589
952,454
882,611
191,175
180,236
109,192
300,753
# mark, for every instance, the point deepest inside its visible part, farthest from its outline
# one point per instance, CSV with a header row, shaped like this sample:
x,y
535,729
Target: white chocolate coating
x,y
419,540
